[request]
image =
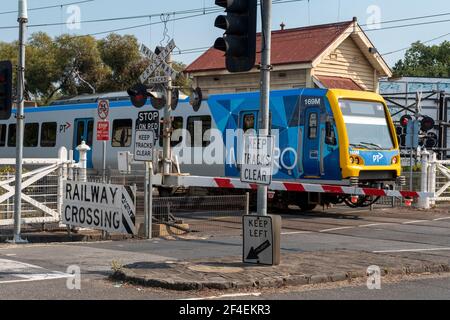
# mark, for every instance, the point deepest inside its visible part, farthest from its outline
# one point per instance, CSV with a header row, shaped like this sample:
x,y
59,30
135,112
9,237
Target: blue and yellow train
x,y
333,137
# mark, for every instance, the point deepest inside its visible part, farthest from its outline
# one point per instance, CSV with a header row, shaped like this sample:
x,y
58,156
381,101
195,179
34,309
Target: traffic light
x,y
427,124
404,120
5,89
138,95
239,40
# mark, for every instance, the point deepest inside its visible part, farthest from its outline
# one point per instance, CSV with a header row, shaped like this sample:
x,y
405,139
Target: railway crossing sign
x,y
261,239
99,206
257,159
146,133
158,63
103,109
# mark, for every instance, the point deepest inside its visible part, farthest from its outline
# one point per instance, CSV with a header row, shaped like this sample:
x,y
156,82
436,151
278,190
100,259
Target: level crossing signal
x,y
239,39
6,77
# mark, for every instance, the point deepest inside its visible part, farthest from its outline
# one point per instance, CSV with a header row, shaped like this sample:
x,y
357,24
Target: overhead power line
x,y
50,7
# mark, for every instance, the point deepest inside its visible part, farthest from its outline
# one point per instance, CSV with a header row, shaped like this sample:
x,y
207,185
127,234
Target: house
x,y
337,55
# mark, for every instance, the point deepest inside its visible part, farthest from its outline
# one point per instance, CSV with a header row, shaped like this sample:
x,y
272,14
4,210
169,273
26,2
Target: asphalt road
x,y
41,271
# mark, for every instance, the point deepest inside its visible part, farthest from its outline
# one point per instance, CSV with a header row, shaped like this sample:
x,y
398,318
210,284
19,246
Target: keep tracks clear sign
x,y
99,206
147,131
257,159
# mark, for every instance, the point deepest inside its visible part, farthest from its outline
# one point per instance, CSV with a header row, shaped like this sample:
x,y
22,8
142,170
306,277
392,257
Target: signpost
x,y
106,207
103,129
146,133
261,239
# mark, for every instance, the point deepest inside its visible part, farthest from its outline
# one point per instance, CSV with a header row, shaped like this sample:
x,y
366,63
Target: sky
x,y
199,31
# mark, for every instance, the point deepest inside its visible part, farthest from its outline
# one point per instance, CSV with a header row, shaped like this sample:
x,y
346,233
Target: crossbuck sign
x,y
158,64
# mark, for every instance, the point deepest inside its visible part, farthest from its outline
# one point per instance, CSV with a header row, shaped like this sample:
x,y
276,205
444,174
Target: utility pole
x,y
23,20
265,89
167,156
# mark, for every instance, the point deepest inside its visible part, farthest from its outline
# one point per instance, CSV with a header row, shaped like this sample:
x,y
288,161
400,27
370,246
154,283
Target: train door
x,y
83,131
311,143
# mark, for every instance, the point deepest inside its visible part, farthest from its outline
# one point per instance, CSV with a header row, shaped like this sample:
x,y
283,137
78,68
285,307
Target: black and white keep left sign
x,y
99,206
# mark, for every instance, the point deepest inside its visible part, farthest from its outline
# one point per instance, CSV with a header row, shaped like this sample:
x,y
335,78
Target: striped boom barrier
x,y
234,183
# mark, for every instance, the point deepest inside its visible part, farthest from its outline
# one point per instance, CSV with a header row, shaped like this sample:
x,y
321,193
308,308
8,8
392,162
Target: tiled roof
x,y
338,83
300,45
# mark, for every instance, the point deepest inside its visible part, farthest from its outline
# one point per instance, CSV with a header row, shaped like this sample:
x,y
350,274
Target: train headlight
x,y
352,160
394,160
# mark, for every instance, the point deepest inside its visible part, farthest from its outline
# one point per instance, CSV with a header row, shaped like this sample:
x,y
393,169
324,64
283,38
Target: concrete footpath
x,y
295,269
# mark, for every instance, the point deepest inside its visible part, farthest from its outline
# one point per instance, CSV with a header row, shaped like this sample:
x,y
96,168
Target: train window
x,y
48,134
2,135
177,123
12,135
249,122
31,135
122,133
90,135
313,126
199,131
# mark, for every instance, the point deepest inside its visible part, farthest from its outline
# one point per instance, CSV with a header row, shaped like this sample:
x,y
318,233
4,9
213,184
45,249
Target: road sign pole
x,y
265,89
104,161
167,164
23,20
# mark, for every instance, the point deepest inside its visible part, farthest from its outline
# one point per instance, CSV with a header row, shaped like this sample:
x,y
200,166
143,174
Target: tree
x,y
425,61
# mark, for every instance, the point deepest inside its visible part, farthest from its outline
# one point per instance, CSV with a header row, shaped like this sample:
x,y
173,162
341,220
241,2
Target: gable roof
x,y
338,83
306,45
300,45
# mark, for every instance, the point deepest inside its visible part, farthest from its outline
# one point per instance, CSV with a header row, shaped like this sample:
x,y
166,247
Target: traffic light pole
x,y
23,20
167,157
266,8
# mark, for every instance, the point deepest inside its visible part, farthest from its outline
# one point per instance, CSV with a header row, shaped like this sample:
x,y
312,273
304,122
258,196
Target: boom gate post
x,y
167,154
424,203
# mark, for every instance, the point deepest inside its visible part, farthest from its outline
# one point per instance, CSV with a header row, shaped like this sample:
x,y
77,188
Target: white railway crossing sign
x,y
158,64
99,206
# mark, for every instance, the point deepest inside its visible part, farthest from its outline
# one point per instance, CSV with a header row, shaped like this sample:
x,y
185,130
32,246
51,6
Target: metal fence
x,y
44,191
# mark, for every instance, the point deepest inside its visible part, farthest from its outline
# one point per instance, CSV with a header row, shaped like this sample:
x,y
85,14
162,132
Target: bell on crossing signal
x,y
5,89
427,124
138,95
195,100
239,40
404,120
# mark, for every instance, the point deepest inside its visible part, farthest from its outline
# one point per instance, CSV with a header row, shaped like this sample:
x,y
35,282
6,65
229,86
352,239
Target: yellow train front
x,y
328,137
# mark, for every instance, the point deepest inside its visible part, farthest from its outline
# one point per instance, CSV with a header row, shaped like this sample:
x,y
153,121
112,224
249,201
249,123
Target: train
x,y
323,136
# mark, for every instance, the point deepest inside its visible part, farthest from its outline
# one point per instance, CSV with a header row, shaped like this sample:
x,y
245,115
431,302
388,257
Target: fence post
x,y
424,203
247,203
62,176
83,148
432,181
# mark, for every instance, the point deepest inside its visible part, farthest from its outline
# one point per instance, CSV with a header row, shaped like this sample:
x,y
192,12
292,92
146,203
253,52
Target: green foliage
x,y
425,61
67,65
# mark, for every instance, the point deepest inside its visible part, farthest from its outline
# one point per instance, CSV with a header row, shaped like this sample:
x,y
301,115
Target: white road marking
x,y
296,232
441,219
412,250
24,272
416,221
337,229
375,225
233,295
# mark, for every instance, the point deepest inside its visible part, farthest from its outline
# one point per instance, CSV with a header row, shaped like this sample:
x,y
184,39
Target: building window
x,y
122,133
48,134
199,128
31,135
177,124
12,135
2,135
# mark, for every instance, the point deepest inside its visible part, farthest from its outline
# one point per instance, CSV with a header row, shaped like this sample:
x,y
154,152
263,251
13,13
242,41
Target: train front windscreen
x,y
367,125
